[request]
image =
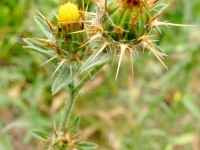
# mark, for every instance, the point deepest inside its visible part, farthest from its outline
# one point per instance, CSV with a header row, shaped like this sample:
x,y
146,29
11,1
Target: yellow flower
x,y
177,96
68,12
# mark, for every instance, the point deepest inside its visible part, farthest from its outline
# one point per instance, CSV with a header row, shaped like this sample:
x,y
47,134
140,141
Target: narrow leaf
x,y
75,124
87,146
190,104
159,50
64,78
44,26
100,59
40,134
34,46
158,9
181,140
51,64
5,143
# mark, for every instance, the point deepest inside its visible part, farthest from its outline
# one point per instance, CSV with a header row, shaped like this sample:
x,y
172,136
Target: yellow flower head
x,y
68,12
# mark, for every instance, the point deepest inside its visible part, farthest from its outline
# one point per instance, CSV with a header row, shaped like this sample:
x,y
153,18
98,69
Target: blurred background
x,y
154,109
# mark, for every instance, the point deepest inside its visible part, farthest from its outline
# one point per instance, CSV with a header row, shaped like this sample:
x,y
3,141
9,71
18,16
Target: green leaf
x,y
44,26
64,78
100,59
189,103
40,134
5,142
159,49
87,146
181,140
43,52
75,124
51,64
34,46
158,9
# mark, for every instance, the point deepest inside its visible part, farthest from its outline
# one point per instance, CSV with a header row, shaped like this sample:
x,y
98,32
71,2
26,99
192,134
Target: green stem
x,y
67,111
72,97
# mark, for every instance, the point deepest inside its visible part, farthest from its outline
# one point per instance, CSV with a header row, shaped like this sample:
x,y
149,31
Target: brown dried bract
x,y
130,4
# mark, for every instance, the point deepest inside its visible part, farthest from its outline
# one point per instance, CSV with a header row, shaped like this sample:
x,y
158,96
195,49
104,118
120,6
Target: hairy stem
x,y
73,92
67,111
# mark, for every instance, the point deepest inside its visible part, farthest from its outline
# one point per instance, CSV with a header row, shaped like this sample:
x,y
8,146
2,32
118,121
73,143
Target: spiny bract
x,y
122,24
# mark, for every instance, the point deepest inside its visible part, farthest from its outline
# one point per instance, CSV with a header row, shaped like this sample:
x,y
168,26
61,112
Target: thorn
x,y
152,49
77,58
90,39
157,23
47,21
55,15
134,19
49,60
89,74
150,35
136,52
131,50
158,56
60,64
110,48
82,31
158,29
160,14
106,43
144,45
46,43
41,14
123,48
131,57
83,5
89,13
86,7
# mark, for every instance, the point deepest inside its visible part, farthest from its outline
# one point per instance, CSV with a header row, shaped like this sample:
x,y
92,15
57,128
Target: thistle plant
x,y
86,36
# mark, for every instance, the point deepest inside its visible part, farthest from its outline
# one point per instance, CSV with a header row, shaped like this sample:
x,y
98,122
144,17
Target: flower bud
x,y
68,12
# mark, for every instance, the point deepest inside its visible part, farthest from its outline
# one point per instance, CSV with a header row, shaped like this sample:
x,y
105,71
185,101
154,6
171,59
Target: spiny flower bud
x,y
64,45
123,24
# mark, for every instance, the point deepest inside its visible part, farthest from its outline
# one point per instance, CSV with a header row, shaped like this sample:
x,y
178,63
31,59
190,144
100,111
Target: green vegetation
x,y
154,109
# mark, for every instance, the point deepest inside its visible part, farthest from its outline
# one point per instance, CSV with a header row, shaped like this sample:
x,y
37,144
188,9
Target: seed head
x,y
68,12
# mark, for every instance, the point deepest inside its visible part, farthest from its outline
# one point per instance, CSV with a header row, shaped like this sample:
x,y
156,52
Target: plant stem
x,y
73,92
67,111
